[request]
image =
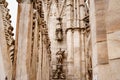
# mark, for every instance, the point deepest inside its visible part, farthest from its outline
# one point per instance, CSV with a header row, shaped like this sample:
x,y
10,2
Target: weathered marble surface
x,y
112,16
108,39
113,28
114,45
98,31
23,42
105,39
5,62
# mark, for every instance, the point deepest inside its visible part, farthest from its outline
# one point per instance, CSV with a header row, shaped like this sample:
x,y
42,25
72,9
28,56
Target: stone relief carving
x,y
59,73
8,30
2,1
38,17
47,42
59,30
60,56
37,5
59,34
88,40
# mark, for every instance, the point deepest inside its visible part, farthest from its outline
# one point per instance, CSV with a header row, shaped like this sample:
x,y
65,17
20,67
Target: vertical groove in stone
x,y
76,42
69,39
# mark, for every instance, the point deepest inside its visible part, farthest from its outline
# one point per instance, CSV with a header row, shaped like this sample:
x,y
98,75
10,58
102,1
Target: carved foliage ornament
x,y
2,1
8,30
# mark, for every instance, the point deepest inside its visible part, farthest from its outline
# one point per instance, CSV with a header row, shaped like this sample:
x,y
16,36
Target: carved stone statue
x,y
59,31
59,74
60,56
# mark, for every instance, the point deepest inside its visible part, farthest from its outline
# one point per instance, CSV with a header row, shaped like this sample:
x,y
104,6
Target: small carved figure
x,y
60,56
59,34
59,74
59,30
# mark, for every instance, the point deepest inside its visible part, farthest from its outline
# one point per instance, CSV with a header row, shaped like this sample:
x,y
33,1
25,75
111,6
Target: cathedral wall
x,y
113,37
105,26
113,28
55,44
105,42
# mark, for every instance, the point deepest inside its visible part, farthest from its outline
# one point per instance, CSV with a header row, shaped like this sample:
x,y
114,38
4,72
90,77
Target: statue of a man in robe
x,y
60,56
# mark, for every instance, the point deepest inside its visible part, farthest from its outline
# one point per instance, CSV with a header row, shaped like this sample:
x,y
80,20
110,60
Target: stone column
x,y
76,42
23,41
82,45
44,60
69,34
44,47
5,62
45,53
39,71
35,46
